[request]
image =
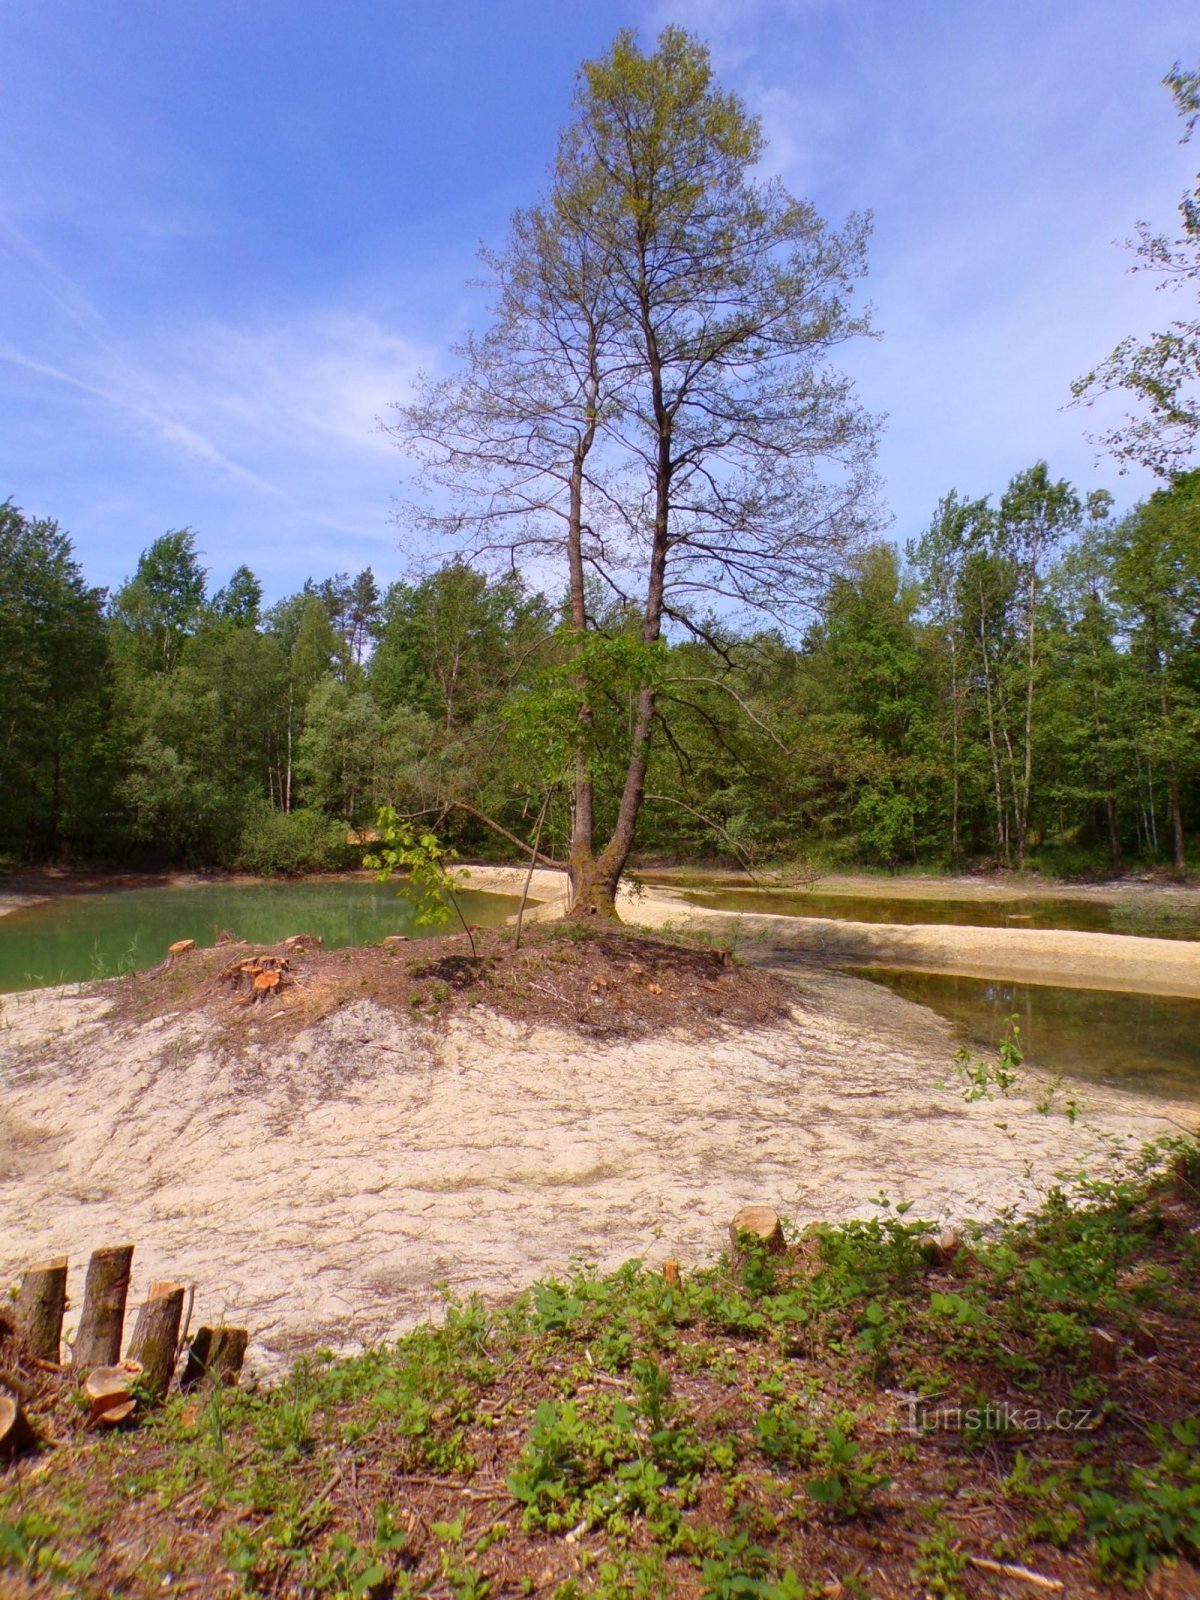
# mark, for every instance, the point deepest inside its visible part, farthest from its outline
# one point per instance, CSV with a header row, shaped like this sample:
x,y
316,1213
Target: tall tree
x,y
162,603
53,690
1156,585
1036,516
939,559
240,600
736,463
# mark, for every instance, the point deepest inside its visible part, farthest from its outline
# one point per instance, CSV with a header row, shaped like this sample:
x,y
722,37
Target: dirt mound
x,y
601,982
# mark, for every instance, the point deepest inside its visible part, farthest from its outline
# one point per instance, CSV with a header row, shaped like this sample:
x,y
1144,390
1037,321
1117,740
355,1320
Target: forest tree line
x,y
1020,685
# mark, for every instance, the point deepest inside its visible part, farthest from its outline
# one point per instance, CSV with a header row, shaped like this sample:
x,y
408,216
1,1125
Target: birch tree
x,y
653,412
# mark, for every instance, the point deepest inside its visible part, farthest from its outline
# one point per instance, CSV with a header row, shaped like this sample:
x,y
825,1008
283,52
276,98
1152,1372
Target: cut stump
x,y
763,1227
102,1324
40,1306
1145,1340
181,947
1104,1351
155,1341
16,1436
945,1249
109,1390
215,1356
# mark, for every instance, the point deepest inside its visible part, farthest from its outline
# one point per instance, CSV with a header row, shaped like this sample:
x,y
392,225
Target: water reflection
x,y
94,935
1146,1043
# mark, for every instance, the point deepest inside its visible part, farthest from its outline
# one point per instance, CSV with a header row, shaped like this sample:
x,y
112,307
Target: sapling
x,y
431,886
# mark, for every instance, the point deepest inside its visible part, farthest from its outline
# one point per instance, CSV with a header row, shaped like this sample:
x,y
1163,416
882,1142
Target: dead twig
x,y
1008,1569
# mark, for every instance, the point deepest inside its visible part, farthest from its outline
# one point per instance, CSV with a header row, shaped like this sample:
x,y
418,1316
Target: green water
x,y
1139,1042
1089,916
98,934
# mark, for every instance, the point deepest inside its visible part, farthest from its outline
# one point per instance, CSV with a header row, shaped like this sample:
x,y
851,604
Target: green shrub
x,y
290,842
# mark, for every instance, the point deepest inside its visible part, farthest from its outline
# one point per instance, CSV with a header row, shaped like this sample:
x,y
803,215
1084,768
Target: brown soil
x,y
604,983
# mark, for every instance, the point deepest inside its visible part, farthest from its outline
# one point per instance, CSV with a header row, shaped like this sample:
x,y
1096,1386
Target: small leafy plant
x,y
431,887
983,1080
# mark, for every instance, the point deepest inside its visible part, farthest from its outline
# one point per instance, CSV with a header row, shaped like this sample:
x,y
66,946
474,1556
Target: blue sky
x,y
231,232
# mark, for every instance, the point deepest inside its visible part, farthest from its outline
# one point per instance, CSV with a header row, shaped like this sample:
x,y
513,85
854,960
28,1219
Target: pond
x,y
98,934
1143,1043
1156,921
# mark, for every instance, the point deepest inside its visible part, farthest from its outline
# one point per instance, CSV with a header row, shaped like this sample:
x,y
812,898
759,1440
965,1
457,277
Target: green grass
x,y
750,1433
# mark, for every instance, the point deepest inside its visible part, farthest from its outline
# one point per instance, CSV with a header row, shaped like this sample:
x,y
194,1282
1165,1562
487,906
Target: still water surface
x,y
96,935
1144,1043
1155,921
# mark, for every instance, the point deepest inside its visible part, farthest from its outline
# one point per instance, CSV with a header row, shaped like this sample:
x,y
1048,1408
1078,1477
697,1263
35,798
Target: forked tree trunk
x,y
593,889
98,1342
40,1306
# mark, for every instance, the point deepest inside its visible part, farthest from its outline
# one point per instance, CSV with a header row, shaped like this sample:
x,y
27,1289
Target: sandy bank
x,y
1021,955
320,1191
998,886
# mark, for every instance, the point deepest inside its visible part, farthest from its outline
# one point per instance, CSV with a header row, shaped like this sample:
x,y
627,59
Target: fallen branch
x,y
1007,1569
537,839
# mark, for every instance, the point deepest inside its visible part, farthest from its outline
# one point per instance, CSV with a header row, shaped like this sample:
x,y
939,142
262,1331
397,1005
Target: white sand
x,y
319,1192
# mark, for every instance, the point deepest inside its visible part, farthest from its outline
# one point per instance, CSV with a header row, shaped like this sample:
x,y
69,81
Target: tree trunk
x,y
215,1356
955,733
156,1337
1001,827
1031,673
582,820
40,1306
98,1342
1175,814
1114,833
594,888
287,792
594,882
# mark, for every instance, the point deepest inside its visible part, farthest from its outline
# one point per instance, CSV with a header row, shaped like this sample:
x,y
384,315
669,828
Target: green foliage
x,y
1160,376
162,604
939,1567
847,1476
54,683
430,886
290,842
983,1080
1156,1513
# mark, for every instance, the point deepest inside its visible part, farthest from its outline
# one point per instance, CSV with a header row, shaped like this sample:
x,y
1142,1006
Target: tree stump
x,y
670,1272
215,1356
264,984
155,1341
109,1390
40,1306
98,1342
1104,1351
1145,1340
762,1225
16,1436
181,947
943,1251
